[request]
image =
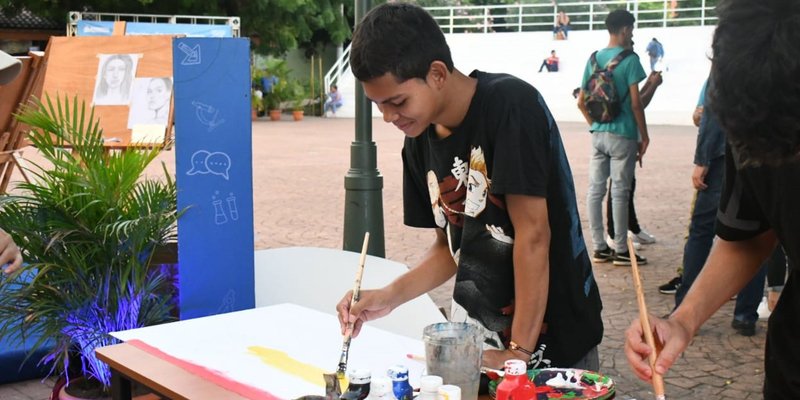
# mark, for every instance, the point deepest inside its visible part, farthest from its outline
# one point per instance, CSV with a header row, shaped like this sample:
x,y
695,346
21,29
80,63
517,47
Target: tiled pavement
x,y
299,201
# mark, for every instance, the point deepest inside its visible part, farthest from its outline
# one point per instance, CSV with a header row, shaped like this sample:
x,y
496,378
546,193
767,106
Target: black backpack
x,y
600,94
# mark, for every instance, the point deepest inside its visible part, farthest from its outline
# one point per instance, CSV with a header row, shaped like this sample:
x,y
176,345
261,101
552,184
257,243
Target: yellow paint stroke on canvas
x,y
281,361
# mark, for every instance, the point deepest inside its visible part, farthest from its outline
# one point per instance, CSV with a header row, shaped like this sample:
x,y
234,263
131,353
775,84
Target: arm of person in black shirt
x,y
531,275
728,269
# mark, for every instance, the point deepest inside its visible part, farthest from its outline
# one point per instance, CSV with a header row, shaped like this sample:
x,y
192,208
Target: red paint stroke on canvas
x,y
206,373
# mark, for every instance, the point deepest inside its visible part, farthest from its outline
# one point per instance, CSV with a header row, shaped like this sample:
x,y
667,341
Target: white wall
x,y
687,51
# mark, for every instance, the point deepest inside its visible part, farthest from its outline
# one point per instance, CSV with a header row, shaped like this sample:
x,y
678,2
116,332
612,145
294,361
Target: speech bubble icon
x,y
199,163
218,163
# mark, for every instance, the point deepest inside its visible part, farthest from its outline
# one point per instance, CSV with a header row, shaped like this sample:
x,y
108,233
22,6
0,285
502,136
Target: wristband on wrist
x,y
514,346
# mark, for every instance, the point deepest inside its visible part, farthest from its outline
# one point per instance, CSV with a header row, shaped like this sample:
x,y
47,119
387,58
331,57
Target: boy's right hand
x,y
372,304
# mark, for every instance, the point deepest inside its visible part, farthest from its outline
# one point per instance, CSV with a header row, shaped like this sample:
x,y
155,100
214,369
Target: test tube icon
x,y
231,199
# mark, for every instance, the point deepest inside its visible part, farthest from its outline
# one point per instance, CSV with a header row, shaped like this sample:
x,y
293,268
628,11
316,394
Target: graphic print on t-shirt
x,y
477,184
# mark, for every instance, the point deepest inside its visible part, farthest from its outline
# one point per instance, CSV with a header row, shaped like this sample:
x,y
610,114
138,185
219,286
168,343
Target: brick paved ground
x,y
299,201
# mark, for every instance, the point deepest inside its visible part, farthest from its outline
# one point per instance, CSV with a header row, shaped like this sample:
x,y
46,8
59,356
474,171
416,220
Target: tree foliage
x,y
281,25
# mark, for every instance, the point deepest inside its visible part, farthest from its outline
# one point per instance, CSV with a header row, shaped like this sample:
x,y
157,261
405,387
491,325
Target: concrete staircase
x,y
687,53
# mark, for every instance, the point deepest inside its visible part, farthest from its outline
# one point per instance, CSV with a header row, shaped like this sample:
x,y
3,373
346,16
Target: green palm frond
x,y
87,225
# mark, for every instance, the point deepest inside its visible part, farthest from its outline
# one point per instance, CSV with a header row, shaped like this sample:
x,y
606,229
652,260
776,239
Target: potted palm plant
x,y
299,100
88,225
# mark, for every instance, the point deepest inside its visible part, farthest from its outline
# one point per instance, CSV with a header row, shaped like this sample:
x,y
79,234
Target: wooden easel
x,y
72,65
13,97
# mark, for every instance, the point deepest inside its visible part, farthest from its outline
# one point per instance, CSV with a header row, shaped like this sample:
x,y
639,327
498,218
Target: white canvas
x,y
310,337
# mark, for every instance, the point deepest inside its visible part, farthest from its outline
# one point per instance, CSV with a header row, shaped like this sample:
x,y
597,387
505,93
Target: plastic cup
x,y
453,350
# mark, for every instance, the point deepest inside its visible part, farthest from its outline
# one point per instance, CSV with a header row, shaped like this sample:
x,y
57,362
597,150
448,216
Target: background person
x,y
616,144
655,50
333,102
561,30
551,63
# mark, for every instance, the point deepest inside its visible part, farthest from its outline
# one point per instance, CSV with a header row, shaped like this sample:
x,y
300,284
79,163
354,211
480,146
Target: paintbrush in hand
x,y
657,380
340,371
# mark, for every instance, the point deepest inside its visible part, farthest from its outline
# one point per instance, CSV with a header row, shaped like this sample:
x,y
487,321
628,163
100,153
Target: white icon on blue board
x,y
220,216
207,115
191,54
205,162
231,199
228,302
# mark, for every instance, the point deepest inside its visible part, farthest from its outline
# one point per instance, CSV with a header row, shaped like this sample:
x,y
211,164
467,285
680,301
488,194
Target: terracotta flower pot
x,y
60,392
275,115
297,115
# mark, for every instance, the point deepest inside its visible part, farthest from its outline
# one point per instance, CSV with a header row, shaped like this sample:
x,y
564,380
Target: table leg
x,y
120,386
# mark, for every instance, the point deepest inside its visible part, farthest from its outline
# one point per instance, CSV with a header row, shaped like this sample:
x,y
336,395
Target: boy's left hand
x,y
496,359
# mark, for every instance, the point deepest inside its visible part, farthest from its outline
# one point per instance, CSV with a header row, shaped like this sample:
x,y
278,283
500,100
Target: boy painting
x,y
511,233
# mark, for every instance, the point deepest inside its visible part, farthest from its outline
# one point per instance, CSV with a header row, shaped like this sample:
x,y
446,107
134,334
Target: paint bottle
x,y
449,392
400,387
429,387
381,389
358,388
515,384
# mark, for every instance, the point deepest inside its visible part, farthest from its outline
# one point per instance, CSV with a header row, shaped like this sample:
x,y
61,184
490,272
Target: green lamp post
x,y
363,201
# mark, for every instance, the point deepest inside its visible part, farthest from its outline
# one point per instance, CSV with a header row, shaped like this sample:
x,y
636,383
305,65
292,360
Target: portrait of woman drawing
x,y
150,103
114,79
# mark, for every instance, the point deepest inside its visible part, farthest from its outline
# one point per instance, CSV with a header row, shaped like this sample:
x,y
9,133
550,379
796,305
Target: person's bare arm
x,y
649,88
531,275
9,253
436,267
641,123
582,107
730,266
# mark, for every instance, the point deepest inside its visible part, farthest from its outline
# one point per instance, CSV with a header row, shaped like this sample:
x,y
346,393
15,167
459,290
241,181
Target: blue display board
x,y
214,175
95,28
190,30
106,28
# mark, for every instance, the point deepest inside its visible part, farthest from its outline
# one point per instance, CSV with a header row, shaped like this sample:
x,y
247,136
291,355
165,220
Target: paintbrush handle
x,y
657,380
353,300
360,271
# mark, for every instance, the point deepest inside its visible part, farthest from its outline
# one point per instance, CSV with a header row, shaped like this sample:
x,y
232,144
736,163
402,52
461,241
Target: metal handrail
x,y
339,67
542,17
583,15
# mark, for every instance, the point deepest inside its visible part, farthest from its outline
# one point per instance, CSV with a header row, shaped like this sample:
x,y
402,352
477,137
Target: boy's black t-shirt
x,y
754,200
508,143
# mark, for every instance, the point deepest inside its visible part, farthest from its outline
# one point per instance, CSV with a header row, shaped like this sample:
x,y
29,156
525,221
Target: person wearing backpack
x,y
611,103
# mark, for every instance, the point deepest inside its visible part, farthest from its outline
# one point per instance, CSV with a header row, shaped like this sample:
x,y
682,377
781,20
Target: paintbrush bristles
x,y
657,380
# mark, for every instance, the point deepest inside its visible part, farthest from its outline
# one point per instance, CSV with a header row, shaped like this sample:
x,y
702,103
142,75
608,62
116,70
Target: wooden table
x,y
130,364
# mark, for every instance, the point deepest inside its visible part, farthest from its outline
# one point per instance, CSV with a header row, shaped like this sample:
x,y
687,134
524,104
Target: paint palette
x,y
567,383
